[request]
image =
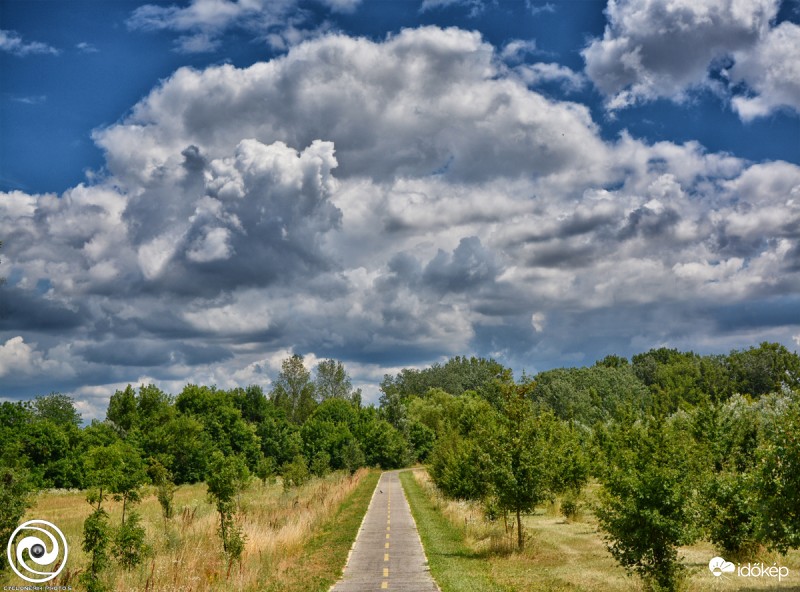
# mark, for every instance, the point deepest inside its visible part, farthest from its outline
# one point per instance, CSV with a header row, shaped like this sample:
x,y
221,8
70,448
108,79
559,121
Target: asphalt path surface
x,y
387,554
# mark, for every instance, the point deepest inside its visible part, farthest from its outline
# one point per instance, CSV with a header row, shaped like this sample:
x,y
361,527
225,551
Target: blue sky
x,y
191,191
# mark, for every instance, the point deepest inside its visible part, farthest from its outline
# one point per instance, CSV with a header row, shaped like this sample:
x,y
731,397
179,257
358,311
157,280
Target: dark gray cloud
x,y
469,267
24,310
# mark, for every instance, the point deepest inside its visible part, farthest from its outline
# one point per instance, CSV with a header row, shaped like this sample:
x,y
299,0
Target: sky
x,y
192,191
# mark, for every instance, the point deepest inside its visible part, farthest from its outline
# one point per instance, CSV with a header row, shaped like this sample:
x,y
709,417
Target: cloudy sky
x,y
191,191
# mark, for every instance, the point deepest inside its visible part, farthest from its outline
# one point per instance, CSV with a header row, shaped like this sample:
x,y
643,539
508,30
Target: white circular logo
x,y
44,553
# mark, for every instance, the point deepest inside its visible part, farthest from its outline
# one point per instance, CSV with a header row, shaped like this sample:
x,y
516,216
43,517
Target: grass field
x,y
296,540
468,554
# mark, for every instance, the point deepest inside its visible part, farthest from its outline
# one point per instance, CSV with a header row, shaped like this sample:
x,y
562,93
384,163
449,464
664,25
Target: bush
x,y
321,464
569,507
130,548
295,473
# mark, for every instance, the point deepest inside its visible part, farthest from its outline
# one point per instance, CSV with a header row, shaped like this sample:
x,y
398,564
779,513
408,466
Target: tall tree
x,y
522,470
122,410
293,390
332,382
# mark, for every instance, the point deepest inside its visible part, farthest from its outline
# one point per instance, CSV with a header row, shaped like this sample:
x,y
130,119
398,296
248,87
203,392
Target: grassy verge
x,y
454,565
296,540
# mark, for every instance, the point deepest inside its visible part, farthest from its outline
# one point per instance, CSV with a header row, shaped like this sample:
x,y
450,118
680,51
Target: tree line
x,y
684,447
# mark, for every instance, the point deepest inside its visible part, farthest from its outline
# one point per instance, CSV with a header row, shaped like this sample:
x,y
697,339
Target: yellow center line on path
x,y
386,557
385,572
384,585
386,546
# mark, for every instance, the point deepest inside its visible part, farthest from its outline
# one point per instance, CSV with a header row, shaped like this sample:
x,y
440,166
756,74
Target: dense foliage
x,y
310,419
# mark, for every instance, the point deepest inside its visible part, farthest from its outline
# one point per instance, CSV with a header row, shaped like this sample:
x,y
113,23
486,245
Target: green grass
x,y
454,566
325,553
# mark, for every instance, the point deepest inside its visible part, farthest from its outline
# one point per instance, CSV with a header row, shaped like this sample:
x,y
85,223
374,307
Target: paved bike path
x,y
387,554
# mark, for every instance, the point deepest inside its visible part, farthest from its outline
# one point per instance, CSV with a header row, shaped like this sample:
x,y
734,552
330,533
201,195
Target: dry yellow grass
x,y
187,553
570,555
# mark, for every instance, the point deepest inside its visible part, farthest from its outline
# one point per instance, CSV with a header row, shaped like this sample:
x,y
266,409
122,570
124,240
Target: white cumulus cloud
x,y
654,49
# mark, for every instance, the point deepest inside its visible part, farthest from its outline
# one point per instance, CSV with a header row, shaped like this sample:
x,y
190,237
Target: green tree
x,y
591,395
613,361
567,447
646,504
280,439
320,464
129,476
115,469
102,470
103,465
183,446
295,473
265,470
15,498
332,382
456,376
727,435
96,541
383,445
58,408
768,368
352,456
122,410
293,390
673,377
729,512
44,444
461,467
153,408
777,481
421,439
130,547
252,403
227,477
165,489
522,472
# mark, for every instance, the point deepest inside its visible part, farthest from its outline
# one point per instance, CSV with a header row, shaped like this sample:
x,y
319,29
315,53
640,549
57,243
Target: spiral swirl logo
x,y
37,551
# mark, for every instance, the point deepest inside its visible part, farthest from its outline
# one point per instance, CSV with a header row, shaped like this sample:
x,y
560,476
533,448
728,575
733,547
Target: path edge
x,y
414,520
361,527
